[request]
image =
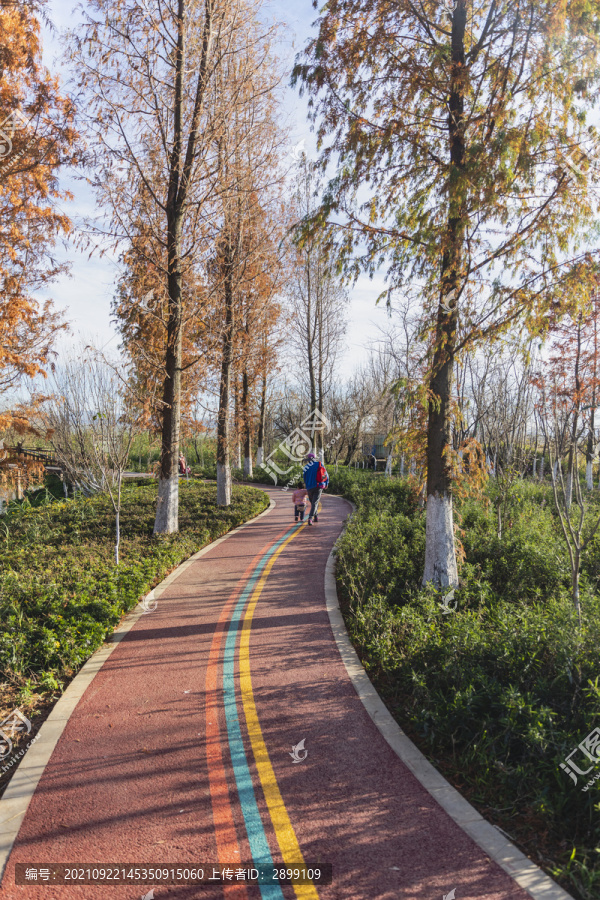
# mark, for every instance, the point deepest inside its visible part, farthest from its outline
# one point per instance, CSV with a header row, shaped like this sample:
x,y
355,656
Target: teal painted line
x,y
259,846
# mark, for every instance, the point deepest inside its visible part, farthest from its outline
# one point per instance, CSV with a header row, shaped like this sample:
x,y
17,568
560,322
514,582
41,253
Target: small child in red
x,y
300,501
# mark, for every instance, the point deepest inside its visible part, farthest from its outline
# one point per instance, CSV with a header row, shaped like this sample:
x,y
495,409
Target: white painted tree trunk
x,y
542,460
388,465
248,466
589,475
555,470
223,485
440,558
238,455
534,466
413,467
402,466
260,456
167,507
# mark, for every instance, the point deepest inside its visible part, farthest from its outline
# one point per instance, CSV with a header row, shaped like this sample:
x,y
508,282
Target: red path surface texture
x,y
153,769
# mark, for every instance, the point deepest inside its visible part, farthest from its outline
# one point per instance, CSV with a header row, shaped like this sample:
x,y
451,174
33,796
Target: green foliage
x,y
500,691
61,594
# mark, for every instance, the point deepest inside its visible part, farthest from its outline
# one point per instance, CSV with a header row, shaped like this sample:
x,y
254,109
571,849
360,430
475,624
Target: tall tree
x,y
460,166
36,138
570,384
318,303
249,190
148,71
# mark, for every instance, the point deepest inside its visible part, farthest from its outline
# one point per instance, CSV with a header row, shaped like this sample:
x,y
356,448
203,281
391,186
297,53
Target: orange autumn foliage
x,y
36,138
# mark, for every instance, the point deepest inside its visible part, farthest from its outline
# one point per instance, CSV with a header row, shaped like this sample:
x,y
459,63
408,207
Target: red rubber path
x,y
128,779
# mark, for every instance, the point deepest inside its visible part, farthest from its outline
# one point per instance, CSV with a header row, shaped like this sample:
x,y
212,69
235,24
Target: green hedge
x,y
61,594
497,693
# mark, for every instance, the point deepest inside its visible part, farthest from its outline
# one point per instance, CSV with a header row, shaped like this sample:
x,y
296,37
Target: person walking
x,y
300,501
316,480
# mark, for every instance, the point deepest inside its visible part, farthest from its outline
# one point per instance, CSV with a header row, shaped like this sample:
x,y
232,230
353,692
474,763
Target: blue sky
x,y
86,295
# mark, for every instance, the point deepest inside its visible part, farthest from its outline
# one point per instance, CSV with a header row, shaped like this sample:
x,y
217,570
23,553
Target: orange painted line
x,y
228,849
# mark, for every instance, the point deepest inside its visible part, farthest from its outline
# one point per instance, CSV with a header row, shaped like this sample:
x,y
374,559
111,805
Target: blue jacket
x,y
310,476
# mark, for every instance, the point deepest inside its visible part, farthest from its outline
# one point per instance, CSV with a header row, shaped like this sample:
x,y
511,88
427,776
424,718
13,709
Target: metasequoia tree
x,y
268,366
463,168
317,303
141,312
260,313
148,74
36,138
401,355
249,189
569,382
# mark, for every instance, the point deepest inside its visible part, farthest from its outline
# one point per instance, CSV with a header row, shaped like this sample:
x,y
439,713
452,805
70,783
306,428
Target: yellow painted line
x,y
284,830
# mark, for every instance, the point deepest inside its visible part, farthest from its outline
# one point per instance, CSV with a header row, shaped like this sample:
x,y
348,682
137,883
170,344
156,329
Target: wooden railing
x,y
45,456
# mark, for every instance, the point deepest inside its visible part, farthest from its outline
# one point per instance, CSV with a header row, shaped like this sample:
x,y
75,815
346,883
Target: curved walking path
x,y
178,750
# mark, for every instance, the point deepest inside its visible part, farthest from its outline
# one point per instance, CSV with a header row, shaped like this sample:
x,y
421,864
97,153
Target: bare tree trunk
x,y
237,422
246,425
589,460
318,448
167,507
542,460
260,452
570,473
223,465
575,585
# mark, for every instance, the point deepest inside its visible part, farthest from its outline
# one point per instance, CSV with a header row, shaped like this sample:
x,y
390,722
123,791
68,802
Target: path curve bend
x,y
233,724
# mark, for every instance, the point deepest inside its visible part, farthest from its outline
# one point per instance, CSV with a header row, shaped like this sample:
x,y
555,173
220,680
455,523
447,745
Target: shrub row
x,y
497,693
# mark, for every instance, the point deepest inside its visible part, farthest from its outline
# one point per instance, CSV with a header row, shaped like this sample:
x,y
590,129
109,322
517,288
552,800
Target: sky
x,y
85,295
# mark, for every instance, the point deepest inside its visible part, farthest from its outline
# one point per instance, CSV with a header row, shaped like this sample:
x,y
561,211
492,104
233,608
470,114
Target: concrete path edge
x,y
491,840
20,790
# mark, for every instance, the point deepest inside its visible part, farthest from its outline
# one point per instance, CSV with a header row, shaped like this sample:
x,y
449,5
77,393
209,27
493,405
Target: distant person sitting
x,y
184,469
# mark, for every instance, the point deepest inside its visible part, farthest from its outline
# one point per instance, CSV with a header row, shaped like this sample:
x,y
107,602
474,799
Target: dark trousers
x,y
314,495
299,512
